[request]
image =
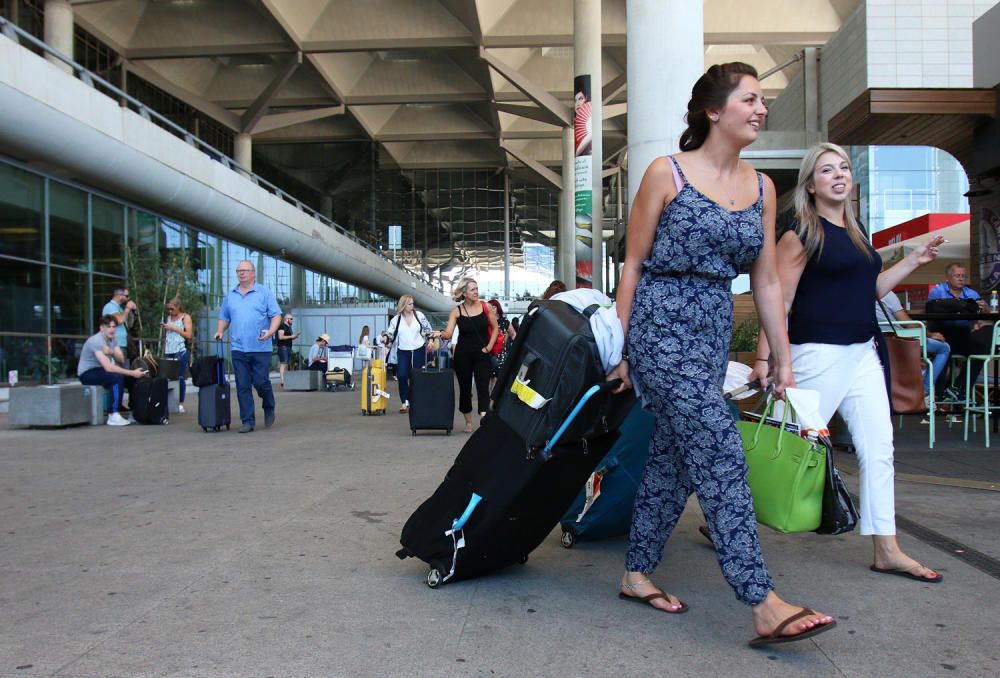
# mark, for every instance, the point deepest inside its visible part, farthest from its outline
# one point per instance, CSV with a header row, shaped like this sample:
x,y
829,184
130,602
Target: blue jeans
x,y
181,356
408,362
938,352
252,370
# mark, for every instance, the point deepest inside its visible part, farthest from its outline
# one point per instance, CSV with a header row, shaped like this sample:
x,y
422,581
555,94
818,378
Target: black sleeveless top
x,y
835,300
473,331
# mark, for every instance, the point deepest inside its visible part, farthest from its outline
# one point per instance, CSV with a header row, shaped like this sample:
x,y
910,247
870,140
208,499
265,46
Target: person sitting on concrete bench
x,y
99,365
319,354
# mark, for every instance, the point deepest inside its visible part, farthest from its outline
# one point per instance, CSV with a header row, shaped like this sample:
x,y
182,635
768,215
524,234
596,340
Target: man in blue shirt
x,y
966,337
120,307
251,313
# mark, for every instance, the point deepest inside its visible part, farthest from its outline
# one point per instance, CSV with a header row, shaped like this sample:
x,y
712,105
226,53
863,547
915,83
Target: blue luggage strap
x,y
456,528
593,390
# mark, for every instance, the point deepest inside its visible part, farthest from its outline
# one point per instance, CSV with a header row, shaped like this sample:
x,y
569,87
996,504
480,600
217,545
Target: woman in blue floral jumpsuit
x,y
685,247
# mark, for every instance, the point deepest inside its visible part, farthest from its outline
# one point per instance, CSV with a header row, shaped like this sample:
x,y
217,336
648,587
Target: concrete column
x,y
810,82
59,30
566,240
326,206
661,73
506,235
587,61
243,150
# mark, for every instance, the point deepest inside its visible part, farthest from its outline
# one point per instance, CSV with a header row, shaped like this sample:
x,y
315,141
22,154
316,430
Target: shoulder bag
x,y
906,394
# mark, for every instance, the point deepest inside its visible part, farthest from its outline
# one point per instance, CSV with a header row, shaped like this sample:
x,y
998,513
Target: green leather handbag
x,y
787,473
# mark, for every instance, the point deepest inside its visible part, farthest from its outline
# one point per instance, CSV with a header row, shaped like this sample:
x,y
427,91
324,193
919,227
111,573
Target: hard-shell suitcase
x,y
497,503
214,400
374,397
603,508
148,400
432,400
550,364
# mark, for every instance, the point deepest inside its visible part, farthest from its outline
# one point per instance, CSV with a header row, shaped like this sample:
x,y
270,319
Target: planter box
x,y
55,405
303,380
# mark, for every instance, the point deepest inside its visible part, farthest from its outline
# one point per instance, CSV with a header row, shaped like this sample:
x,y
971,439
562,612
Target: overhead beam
x,y
613,89
530,112
218,113
540,96
259,107
615,110
275,121
537,167
206,51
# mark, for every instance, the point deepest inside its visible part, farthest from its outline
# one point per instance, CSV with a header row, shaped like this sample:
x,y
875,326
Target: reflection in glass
x,y
26,355
107,241
21,198
22,296
67,225
70,307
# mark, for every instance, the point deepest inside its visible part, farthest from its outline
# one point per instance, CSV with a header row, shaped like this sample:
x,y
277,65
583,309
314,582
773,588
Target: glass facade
x,y
899,183
64,249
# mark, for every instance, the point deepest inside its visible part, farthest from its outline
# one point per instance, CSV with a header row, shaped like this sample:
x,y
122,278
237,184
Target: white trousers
x,y
850,381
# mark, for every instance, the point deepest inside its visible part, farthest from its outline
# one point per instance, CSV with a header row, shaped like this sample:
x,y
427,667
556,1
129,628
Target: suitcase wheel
x,y
522,560
227,427
414,431
568,539
435,576
205,429
164,421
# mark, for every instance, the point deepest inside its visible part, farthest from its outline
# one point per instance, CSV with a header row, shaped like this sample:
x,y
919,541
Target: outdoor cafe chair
x,y
916,329
972,406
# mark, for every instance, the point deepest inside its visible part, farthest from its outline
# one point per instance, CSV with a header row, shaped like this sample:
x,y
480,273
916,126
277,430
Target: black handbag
x,y
839,513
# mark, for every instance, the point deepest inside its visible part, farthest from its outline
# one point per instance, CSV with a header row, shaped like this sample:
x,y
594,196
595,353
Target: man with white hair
x,y
252,315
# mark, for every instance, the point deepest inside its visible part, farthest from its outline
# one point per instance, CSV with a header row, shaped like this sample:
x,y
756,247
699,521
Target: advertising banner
x,y
584,179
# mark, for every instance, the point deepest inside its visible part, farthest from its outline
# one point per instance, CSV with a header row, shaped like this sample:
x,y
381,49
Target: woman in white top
x,y
178,332
364,352
408,329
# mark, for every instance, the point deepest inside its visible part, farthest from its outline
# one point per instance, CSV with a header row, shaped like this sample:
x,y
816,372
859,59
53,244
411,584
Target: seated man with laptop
x,y
966,337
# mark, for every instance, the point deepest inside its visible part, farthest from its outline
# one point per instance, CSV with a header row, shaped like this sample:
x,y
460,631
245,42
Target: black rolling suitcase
x,y
214,399
432,399
148,400
498,503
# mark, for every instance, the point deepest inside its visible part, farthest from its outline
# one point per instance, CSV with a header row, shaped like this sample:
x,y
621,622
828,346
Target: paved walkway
x,y
165,551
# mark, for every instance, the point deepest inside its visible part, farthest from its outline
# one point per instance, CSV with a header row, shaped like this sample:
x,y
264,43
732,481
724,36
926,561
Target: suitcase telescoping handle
x,y
220,370
591,392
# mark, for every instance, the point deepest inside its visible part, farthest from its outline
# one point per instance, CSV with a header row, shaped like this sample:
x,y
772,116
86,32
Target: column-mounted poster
x,y
989,249
584,179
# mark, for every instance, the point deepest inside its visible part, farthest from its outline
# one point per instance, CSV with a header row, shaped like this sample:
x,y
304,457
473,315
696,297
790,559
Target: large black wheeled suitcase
x,y
497,503
148,400
214,406
432,399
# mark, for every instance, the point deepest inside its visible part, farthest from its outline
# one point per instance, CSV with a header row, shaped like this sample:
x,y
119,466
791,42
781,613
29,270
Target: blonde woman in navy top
x,y
830,276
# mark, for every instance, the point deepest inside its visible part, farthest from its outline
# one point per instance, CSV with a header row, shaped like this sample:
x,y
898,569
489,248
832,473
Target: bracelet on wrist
x,y
762,360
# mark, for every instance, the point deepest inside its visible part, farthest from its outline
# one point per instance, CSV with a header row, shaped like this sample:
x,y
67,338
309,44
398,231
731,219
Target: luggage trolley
x,y
340,368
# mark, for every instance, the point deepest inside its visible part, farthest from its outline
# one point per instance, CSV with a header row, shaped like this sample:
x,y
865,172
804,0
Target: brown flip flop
x,y
776,636
648,600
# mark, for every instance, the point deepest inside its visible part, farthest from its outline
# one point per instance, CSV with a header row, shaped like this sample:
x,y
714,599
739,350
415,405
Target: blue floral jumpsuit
x,y
678,339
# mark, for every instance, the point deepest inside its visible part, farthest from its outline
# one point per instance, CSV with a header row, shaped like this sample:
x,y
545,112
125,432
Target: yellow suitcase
x,y
374,397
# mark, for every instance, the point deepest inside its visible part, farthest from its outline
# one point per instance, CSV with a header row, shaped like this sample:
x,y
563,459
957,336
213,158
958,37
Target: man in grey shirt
x,y
100,365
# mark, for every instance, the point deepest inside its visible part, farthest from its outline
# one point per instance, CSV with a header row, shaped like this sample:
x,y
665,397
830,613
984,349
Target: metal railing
x,y
17,34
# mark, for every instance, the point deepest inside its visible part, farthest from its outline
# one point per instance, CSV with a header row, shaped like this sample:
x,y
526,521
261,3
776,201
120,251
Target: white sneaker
x,y
115,419
180,408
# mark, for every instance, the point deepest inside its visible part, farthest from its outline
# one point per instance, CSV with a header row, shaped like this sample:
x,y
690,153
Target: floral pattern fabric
x,y
678,339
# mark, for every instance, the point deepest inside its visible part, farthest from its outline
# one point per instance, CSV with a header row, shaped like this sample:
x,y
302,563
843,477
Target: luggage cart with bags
x,y
339,368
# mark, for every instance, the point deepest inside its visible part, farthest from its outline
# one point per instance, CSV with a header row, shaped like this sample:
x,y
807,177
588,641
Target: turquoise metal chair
x,y
973,407
916,329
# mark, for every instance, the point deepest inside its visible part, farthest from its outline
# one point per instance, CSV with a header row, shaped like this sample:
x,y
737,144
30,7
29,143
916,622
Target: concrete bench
x,y
303,380
55,405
